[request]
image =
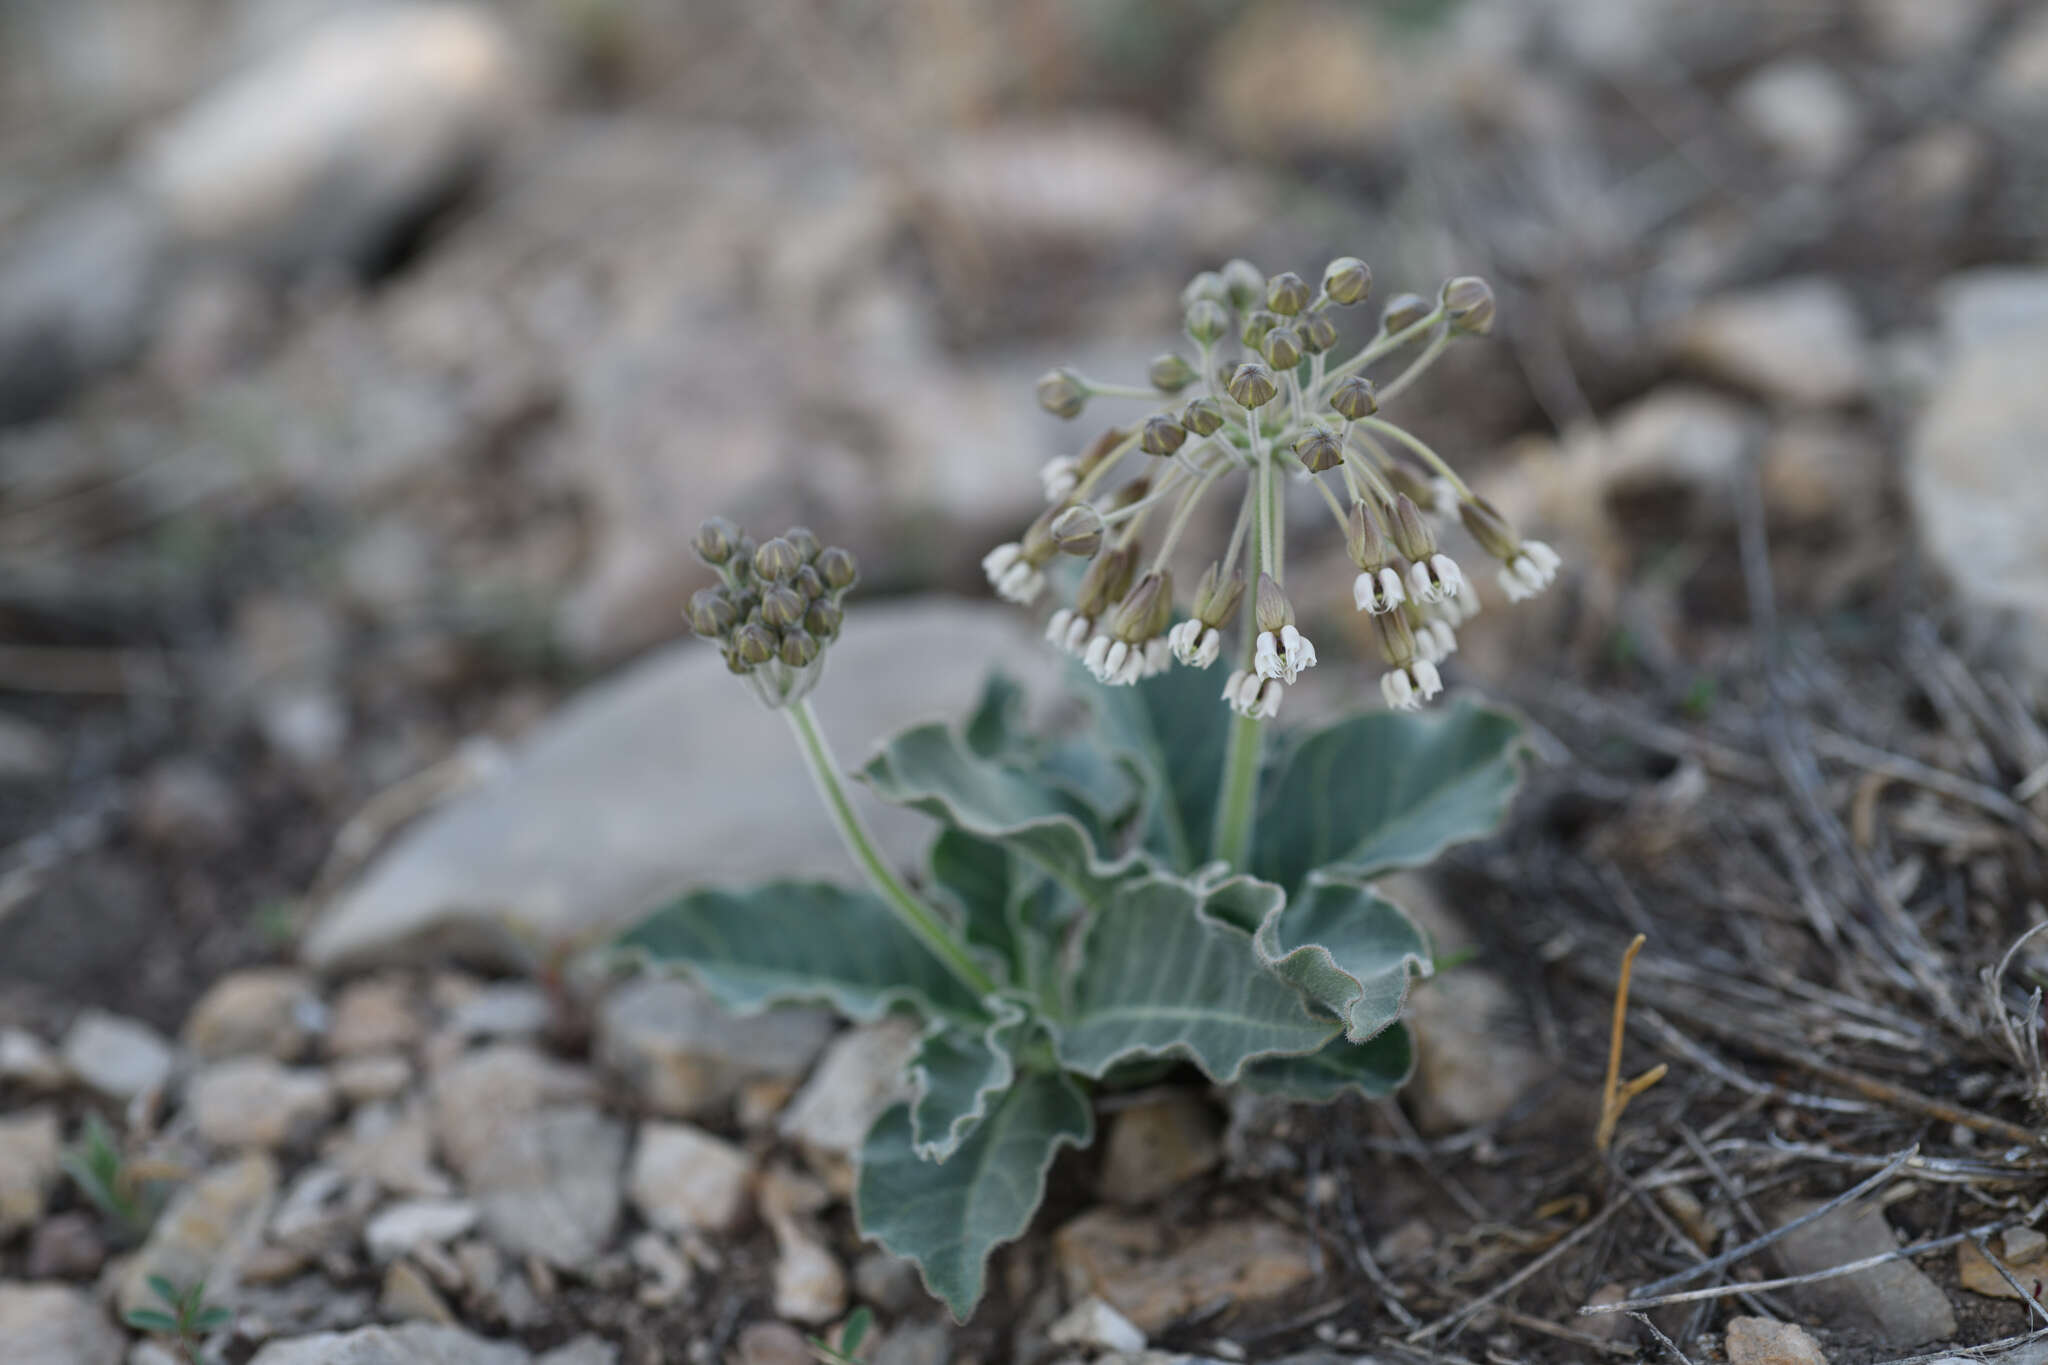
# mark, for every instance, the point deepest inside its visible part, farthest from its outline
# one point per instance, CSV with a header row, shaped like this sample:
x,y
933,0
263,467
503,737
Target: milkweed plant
x,y
1170,881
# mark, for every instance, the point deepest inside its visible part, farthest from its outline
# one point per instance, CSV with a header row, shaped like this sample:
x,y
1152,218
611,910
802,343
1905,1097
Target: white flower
x,y
1438,577
1114,662
1068,631
1435,641
1060,475
1530,571
1446,504
1195,643
1378,593
1250,695
1158,656
1012,575
1283,656
1461,608
1407,688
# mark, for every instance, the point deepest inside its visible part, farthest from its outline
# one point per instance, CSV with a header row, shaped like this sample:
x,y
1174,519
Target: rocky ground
x,y
348,450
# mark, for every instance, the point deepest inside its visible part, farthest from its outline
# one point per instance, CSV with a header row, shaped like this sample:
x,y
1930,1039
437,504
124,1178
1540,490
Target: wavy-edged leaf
x,y
1160,975
1385,790
930,768
996,725
1007,906
1375,1068
957,1071
1349,949
1175,728
799,941
947,1217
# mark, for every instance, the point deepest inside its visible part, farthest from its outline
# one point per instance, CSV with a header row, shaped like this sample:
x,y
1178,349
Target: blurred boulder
x,y
2018,83
331,148
1913,30
1993,304
1798,343
667,777
1974,479
54,1324
1307,77
1804,112
1674,461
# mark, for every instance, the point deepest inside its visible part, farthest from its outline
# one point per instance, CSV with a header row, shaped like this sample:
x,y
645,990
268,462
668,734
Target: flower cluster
x,y
1266,395
776,607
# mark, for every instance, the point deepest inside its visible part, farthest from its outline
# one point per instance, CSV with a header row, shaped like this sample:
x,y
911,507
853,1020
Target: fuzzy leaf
x,y
800,941
996,725
1160,975
947,1217
932,769
957,1072
1375,1068
150,1320
1387,790
1176,730
1007,906
1349,949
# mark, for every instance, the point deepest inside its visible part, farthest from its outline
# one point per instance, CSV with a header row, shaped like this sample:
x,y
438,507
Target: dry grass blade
x,y
1615,1096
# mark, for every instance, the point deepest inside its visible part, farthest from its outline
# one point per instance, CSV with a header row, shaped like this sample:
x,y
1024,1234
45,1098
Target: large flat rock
x,y
667,777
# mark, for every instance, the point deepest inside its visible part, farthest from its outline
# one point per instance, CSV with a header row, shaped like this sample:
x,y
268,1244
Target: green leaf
x,y
150,1320
995,727
1006,906
163,1289
855,1331
1176,730
1375,1069
1160,975
211,1318
948,1217
800,941
956,1073
1385,790
932,769
1349,949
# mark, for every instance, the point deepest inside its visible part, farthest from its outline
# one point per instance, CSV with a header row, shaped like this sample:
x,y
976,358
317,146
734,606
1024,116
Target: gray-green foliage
x,y
1077,872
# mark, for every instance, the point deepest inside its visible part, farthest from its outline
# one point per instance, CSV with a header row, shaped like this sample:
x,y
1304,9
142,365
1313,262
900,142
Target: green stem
x,y
1236,810
1415,443
913,913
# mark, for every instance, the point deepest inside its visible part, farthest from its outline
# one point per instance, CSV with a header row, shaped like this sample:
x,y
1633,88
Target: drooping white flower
x,y
1378,593
1435,578
1060,476
1406,689
1532,569
1195,643
1266,655
1115,662
1014,577
1460,608
1068,631
1283,655
1252,696
1435,641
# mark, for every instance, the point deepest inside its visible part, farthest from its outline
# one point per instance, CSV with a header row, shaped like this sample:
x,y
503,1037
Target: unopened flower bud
x,y
1078,530
1412,536
1105,583
1162,436
1287,293
742,564
754,644
1216,597
1491,531
1468,303
1251,384
1347,280
809,582
1257,324
1404,311
1270,608
838,568
1282,348
776,560
1207,287
1318,451
1147,610
1202,417
715,540
1244,282
1397,638
806,543
823,619
1318,333
1207,320
1365,541
1061,393
798,649
782,607
1170,374
1355,397
711,612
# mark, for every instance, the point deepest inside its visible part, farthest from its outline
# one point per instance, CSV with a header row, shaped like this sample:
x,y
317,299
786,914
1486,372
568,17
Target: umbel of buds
x,y
1269,395
776,606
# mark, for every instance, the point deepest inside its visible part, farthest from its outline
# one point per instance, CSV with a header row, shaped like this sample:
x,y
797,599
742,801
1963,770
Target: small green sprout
x,y
96,1165
851,1334
190,1317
